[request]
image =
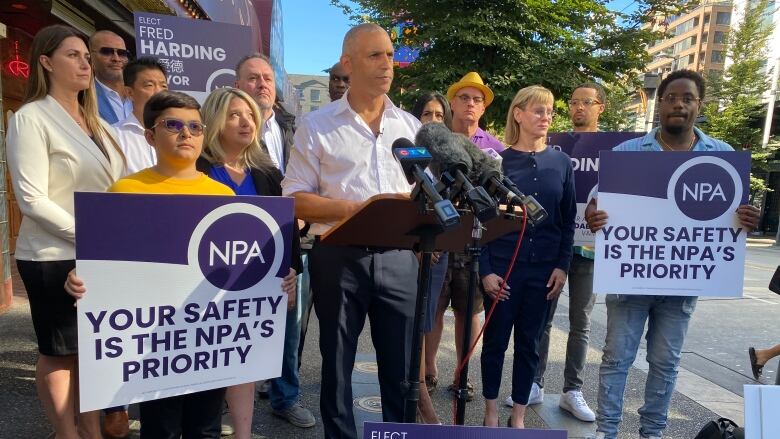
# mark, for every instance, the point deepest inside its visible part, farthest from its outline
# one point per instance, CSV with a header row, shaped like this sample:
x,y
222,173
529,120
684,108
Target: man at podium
x,y
342,157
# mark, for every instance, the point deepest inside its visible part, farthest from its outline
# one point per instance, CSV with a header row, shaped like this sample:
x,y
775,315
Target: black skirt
x,y
52,308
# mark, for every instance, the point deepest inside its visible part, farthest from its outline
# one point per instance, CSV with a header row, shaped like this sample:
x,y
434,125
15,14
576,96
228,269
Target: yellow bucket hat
x,y
471,79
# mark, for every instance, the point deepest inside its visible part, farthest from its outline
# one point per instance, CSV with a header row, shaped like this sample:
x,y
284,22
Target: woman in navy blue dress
x,y
544,257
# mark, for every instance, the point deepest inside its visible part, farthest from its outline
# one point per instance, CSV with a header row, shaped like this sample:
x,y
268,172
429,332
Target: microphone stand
x,y
410,387
473,253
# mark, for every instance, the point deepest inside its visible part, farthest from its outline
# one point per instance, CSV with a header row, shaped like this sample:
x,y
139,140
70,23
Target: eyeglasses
x,y
685,99
176,126
108,51
343,78
585,102
466,99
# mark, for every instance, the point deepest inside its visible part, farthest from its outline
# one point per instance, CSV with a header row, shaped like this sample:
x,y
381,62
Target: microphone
x,y
413,160
500,186
454,162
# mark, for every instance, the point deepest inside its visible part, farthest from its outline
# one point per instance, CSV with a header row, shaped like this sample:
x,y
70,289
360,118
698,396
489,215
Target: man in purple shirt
x,y
469,98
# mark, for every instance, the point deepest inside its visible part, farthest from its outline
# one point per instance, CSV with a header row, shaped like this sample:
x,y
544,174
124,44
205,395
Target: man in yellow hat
x,y
469,98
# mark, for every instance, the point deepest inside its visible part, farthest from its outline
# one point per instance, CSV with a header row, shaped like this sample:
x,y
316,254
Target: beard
x,y
674,129
580,122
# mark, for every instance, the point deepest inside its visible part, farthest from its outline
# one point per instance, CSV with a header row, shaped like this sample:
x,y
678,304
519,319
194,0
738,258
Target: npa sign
x,y
184,293
199,55
387,430
583,149
672,227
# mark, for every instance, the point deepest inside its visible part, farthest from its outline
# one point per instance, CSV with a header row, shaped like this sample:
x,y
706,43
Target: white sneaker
x,y
574,403
536,396
599,435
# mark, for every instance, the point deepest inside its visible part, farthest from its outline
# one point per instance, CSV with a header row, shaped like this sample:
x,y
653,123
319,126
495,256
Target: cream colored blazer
x,y
50,157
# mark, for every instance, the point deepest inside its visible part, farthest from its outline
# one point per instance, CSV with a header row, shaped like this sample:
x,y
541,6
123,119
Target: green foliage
x,y
516,43
736,95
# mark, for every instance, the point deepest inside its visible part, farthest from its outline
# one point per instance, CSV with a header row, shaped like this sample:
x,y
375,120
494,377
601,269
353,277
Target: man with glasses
x,y
667,317
468,99
338,82
109,58
585,106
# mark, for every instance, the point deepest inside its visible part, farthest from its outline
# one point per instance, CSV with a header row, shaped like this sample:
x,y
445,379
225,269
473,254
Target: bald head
x,y
356,33
338,81
109,57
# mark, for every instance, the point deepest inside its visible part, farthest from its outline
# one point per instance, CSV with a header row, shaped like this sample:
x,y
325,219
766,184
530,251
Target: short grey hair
x,y
252,55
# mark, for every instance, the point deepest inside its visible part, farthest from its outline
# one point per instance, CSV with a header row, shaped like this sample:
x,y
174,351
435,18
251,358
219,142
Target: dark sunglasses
x,y
344,78
108,51
176,126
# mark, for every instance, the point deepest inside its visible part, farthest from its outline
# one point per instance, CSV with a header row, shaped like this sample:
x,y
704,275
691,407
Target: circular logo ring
x,y
233,208
712,160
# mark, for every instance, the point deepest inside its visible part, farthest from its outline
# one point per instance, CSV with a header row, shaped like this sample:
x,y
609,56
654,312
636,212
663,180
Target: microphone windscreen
x,y
402,142
477,156
443,147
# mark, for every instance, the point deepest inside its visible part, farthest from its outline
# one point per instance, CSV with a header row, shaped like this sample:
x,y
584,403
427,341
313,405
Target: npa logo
x,y
705,188
236,246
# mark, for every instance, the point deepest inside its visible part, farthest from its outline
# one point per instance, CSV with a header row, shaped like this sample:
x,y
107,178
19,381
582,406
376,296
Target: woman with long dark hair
x,y
57,145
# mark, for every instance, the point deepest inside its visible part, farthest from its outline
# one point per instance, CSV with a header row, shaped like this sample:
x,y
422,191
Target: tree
x,y
516,43
736,95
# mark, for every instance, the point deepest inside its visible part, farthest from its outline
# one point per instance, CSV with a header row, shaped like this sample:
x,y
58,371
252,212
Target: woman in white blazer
x,y
57,145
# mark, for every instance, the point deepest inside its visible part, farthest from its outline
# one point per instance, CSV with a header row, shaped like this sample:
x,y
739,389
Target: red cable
x,y
467,357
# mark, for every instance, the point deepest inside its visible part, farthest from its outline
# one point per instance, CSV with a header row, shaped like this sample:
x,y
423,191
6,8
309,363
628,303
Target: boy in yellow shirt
x,y
174,128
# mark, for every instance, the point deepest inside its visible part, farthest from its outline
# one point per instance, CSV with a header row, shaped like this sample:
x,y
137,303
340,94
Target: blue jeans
x,y
667,320
285,390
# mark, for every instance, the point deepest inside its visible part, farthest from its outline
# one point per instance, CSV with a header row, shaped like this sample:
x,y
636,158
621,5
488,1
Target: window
x,y
314,94
704,37
717,56
706,18
314,107
723,18
719,37
684,27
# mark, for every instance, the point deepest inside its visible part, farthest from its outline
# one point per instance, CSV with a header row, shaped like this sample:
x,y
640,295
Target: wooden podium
x,y
395,222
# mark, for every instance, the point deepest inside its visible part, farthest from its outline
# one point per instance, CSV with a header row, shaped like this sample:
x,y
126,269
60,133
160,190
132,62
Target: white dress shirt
x,y
272,136
138,152
122,107
336,155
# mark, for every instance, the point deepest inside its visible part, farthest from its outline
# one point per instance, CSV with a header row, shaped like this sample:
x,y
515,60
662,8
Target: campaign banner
x,y
388,430
199,55
583,149
183,293
672,227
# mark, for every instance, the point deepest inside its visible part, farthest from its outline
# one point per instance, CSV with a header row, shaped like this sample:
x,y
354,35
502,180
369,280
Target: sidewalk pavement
x,y
695,402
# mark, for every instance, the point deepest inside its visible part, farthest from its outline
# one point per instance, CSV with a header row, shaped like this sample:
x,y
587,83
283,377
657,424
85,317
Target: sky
x,y
313,30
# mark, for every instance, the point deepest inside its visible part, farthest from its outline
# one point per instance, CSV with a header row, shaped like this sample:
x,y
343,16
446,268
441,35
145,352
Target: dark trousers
x,y
526,311
350,283
193,416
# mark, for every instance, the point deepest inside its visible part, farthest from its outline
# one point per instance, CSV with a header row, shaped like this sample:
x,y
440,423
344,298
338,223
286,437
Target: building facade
x,y
311,91
695,41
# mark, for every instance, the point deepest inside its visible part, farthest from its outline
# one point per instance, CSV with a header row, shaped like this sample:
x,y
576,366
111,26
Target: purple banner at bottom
x,y
386,430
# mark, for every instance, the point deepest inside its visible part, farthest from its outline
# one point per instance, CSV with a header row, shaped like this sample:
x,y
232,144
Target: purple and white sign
x,y
387,430
583,149
184,293
199,55
672,227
